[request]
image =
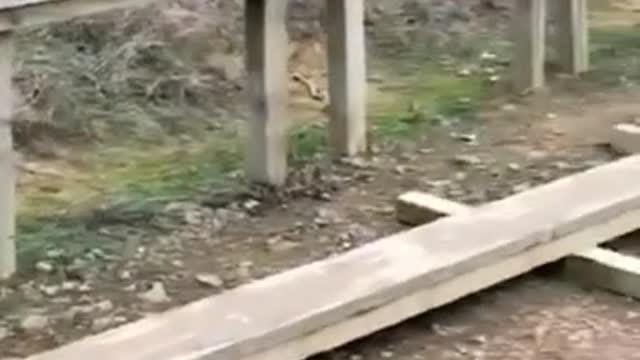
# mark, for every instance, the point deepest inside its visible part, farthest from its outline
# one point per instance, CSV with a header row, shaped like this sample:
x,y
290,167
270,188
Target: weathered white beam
x,y
625,138
19,14
7,165
595,267
337,300
605,269
347,76
529,32
417,208
267,56
571,40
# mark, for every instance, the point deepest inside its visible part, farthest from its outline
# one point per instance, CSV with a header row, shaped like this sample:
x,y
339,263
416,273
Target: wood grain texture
x,y
382,283
7,164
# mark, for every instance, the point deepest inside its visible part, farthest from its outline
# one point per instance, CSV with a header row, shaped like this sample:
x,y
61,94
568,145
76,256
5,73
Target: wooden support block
x,y
625,138
572,35
340,299
7,164
605,269
416,208
529,32
347,76
267,43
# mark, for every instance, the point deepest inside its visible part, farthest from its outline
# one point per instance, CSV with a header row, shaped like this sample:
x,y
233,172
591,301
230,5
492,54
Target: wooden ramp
x,y
325,304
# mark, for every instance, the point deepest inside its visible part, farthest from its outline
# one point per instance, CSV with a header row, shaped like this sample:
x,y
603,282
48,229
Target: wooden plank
x,y
572,36
12,4
625,138
529,30
7,165
347,76
417,208
336,300
598,268
605,269
266,39
32,13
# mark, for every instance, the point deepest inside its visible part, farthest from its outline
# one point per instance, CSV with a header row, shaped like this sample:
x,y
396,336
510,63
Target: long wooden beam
x,y
7,165
24,13
328,303
595,267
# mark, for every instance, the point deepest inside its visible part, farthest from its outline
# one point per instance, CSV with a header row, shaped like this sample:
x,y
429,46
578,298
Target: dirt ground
x,y
515,146
192,249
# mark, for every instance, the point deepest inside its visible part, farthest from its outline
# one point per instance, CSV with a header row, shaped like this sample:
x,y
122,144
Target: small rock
x,y
386,354
279,245
157,294
460,176
469,160
84,288
514,167
494,79
251,204
537,155
357,162
326,217
55,253
356,357
244,269
468,138
552,116
480,339
70,285
52,290
509,107
4,333
464,72
488,56
34,323
124,275
104,306
211,280
44,266
521,187
102,323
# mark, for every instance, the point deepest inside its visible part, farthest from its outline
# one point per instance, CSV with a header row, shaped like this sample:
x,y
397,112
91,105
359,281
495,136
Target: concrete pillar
x,y
571,40
7,165
347,76
528,31
267,55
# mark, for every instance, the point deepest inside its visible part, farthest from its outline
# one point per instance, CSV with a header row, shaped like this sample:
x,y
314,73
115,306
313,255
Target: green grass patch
x,y
143,178
615,56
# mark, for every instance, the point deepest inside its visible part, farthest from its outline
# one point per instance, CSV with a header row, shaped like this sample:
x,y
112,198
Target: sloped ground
x,y
167,226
